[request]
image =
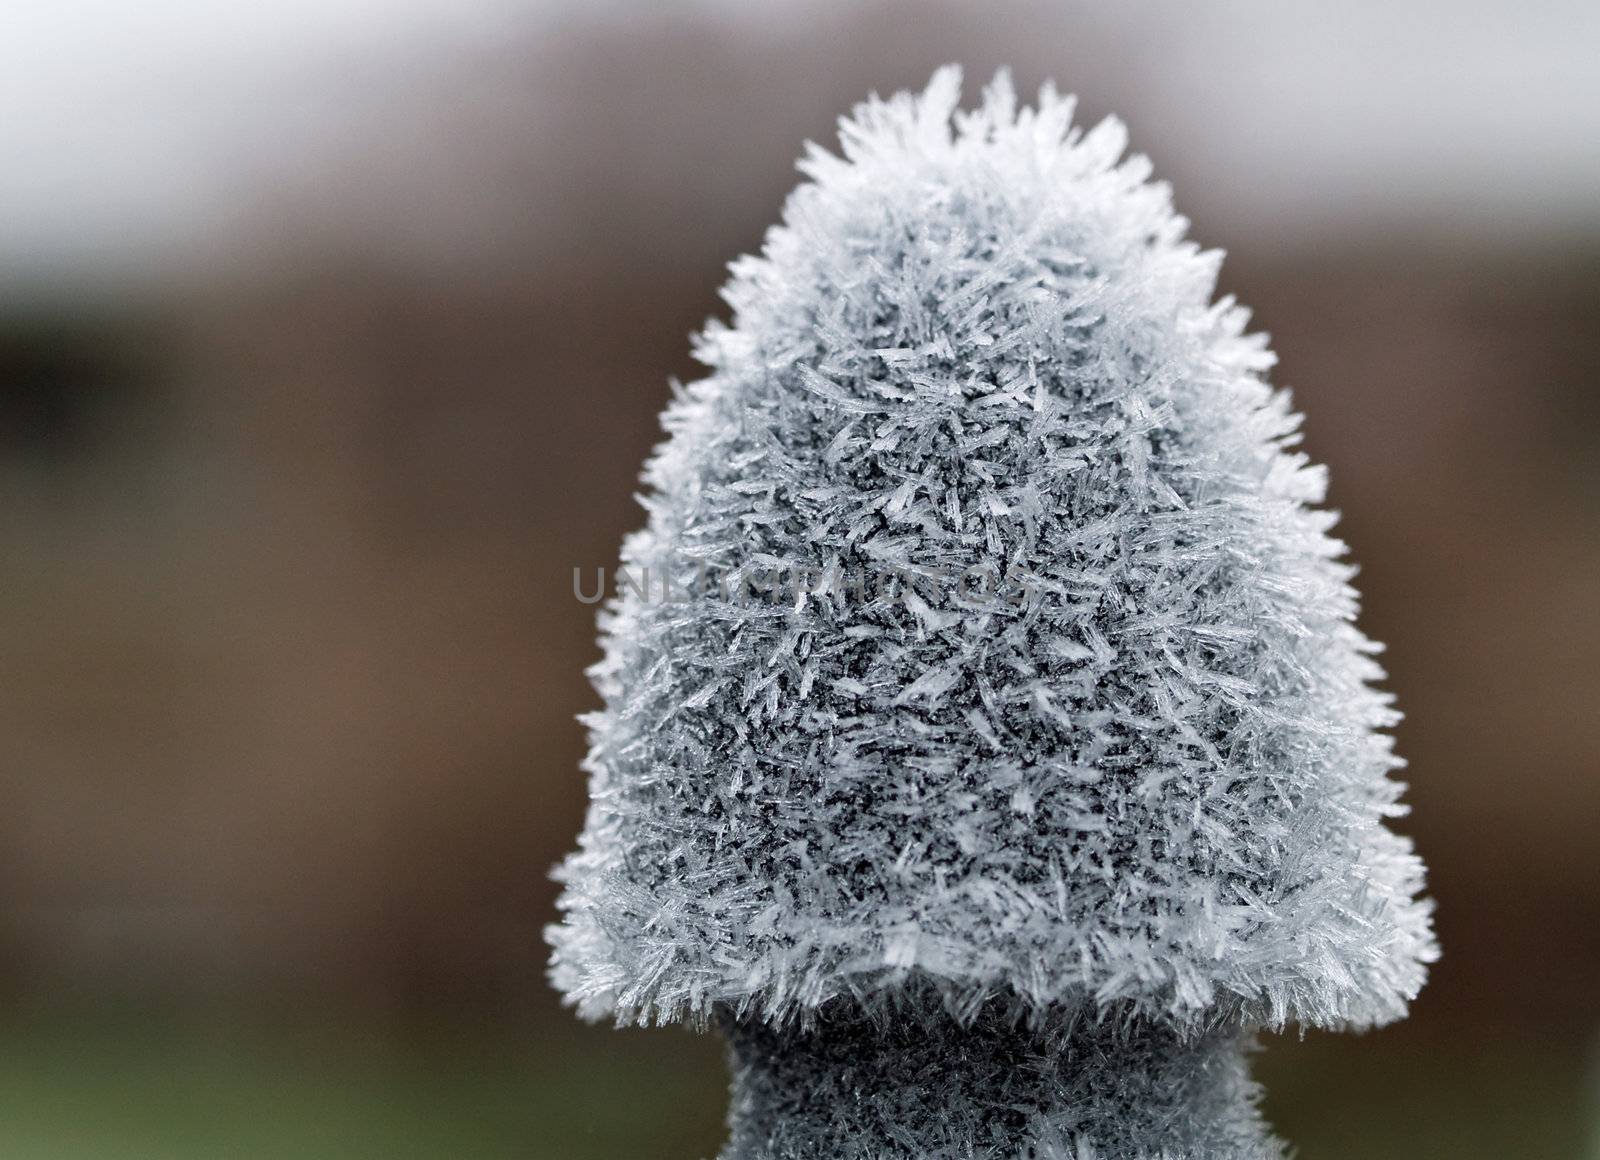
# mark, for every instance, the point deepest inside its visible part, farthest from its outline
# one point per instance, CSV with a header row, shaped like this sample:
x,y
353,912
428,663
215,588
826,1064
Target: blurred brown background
x,y
331,341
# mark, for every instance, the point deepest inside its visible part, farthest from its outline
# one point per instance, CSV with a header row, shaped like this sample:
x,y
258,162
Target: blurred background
x,y
332,336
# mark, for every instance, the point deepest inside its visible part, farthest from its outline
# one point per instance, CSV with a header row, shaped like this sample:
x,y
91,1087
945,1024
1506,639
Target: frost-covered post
x,y
1004,870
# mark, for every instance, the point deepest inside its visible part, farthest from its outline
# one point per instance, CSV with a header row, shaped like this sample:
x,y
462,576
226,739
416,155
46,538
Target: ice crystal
x,y
923,1085
1133,778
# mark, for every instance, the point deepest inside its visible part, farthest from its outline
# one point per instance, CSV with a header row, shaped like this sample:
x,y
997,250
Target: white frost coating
x,y
1149,778
929,1089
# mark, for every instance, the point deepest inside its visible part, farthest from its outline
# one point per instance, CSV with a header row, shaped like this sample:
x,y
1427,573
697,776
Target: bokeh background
x,y
332,335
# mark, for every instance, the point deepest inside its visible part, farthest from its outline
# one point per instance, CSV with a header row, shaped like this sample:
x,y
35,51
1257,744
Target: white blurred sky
x,y
128,128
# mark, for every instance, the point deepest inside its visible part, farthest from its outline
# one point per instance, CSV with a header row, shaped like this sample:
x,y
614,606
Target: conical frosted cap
x,y
1004,645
